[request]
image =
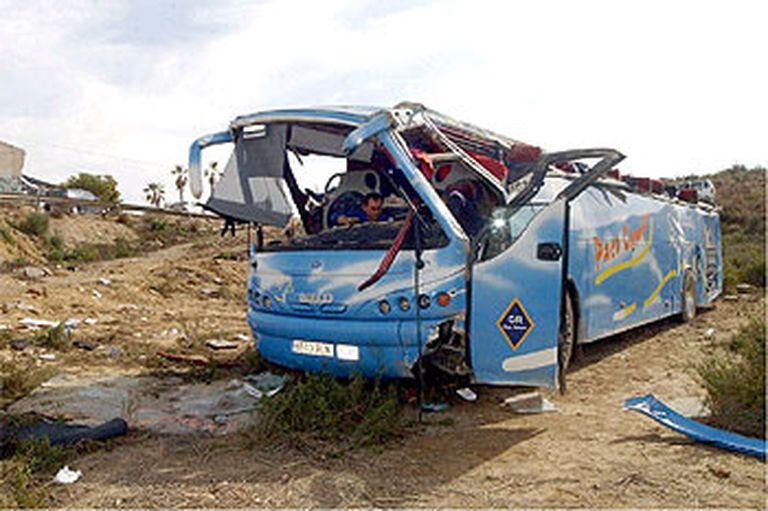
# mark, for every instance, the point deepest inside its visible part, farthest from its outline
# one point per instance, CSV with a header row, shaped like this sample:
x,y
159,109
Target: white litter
x,y
67,476
531,402
37,323
96,294
89,321
47,356
467,394
221,344
710,333
242,337
105,282
4,327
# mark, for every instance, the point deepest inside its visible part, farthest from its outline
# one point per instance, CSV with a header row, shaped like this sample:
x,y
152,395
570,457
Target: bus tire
x,y
566,341
689,298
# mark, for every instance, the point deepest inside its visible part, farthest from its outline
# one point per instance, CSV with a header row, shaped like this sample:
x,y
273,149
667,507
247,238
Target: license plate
x,y
314,348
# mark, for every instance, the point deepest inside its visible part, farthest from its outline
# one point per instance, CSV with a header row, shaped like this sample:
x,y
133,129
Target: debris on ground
x,y
466,394
163,405
664,415
730,298
242,337
434,407
709,333
221,344
264,384
97,294
19,344
38,323
48,357
745,288
67,476
34,272
56,432
104,281
528,403
85,345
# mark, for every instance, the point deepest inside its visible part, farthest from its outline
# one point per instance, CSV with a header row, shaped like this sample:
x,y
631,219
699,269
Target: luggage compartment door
x,y
516,296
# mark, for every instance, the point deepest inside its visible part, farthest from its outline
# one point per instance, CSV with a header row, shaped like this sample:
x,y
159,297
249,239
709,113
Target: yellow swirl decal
x,y
616,268
656,291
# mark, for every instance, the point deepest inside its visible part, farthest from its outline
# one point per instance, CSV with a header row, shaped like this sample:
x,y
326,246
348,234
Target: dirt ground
x,y
588,454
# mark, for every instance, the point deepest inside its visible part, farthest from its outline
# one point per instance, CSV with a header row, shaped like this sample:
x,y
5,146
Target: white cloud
x,y
675,86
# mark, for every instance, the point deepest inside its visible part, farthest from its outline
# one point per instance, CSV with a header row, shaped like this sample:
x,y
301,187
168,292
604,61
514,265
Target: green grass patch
x,y
35,224
17,381
6,236
735,382
55,338
321,414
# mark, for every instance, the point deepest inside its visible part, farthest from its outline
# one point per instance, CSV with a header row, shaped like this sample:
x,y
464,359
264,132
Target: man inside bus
x,y
370,210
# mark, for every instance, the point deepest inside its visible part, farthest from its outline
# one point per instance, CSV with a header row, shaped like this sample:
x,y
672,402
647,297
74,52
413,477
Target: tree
x,y
182,176
102,186
155,194
213,173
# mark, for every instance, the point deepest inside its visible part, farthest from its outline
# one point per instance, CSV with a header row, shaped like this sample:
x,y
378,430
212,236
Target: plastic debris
x,y
528,403
96,294
105,282
47,356
666,416
710,333
221,344
467,394
434,407
242,337
264,384
89,321
67,476
37,323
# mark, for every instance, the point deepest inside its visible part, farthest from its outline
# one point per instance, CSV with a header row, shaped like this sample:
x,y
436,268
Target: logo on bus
x,y
515,324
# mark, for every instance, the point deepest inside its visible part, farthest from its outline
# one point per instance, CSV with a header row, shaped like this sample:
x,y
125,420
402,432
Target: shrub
x,y
35,224
104,187
17,381
5,235
56,338
735,382
319,412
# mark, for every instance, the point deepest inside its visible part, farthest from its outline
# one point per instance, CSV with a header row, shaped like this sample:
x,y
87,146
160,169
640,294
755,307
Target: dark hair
x,y
372,195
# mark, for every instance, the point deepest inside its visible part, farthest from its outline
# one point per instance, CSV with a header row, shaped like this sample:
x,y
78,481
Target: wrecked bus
x,y
436,244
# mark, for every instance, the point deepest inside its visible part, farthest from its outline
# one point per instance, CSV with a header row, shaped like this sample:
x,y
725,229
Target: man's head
x,y
373,205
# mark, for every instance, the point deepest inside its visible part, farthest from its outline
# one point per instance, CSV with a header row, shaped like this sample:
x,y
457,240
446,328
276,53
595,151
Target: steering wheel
x,y
333,182
344,203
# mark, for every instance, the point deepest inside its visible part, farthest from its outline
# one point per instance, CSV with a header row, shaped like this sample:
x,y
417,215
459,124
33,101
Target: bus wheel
x,y
689,298
566,341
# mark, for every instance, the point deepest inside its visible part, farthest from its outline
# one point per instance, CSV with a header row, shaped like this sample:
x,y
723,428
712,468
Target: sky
x,y
124,87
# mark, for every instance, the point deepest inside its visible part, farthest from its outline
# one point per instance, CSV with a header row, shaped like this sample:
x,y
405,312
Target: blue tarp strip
x,y
663,414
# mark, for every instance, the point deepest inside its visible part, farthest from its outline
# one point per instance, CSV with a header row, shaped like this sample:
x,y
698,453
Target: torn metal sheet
x,y
664,415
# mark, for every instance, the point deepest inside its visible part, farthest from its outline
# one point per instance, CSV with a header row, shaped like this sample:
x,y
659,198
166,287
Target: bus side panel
x,y
626,258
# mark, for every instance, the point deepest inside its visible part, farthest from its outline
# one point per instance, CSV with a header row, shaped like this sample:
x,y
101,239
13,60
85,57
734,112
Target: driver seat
x,y
348,195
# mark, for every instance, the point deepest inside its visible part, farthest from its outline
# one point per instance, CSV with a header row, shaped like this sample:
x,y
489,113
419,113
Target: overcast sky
x,y
124,87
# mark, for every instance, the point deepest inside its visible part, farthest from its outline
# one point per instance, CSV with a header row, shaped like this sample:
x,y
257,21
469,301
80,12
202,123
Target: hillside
x,y
741,192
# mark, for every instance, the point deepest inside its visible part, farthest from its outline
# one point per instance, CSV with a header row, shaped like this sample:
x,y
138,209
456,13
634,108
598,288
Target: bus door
x,y
517,281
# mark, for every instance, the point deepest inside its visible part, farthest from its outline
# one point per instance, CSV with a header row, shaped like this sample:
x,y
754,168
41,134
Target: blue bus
x,y
427,243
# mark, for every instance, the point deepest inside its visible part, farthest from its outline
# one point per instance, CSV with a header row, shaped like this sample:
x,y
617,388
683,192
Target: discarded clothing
x,y
664,415
58,433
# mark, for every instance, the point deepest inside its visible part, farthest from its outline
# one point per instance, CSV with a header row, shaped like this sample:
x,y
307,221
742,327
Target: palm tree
x,y
213,173
155,194
181,180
